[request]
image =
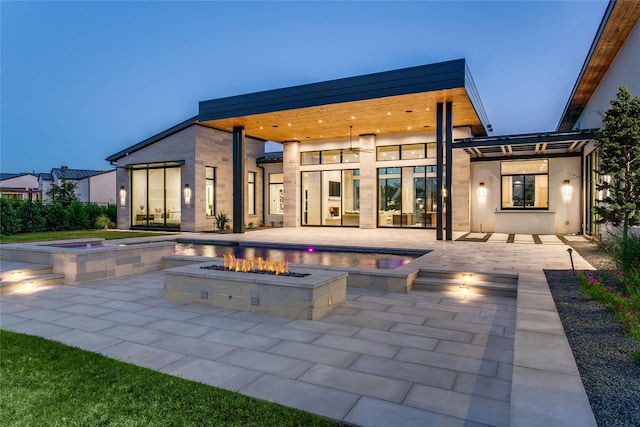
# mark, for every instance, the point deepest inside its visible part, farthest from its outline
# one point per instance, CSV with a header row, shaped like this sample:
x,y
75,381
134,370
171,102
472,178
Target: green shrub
x,y
93,211
75,216
10,222
54,215
31,216
111,211
625,253
103,221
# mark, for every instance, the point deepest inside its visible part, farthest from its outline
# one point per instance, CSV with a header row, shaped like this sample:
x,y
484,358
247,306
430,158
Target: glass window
x,y
388,153
210,176
330,157
310,158
251,193
156,197
412,151
431,150
350,157
525,184
311,197
276,193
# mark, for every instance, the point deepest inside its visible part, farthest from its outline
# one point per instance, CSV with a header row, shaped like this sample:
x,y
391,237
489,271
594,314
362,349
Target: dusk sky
x,y
83,80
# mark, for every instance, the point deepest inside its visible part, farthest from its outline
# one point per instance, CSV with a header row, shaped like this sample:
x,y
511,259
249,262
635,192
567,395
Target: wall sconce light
x,y
123,196
187,194
566,187
482,192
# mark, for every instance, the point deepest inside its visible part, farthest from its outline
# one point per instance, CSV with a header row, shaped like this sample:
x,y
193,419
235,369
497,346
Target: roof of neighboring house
x,y
619,19
4,176
66,173
46,176
532,144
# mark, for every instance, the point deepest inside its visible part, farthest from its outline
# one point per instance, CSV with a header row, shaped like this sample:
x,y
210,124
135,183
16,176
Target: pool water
x,y
300,256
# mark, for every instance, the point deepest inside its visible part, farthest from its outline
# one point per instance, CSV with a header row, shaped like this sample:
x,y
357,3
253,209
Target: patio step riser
x,y
12,275
30,282
478,283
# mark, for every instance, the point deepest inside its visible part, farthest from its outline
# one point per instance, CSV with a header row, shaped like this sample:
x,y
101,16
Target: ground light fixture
x,y
187,194
123,196
466,280
566,187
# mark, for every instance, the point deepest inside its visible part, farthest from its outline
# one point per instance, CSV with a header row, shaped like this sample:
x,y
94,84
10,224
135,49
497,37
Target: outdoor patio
x,y
419,358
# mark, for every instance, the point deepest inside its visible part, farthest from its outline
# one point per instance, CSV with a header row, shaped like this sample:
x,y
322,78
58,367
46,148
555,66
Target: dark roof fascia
x,y
155,138
526,156
474,97
565,122
405,81
524,139
4,176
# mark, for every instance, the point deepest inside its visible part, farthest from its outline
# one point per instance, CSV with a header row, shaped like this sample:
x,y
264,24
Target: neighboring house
x,y
23,186
91,185
409,148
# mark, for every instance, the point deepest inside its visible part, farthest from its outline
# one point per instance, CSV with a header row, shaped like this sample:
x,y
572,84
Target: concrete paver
x,y
423,358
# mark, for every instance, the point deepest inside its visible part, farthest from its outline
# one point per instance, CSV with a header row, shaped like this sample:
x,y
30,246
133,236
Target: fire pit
x,y
258,266
272,289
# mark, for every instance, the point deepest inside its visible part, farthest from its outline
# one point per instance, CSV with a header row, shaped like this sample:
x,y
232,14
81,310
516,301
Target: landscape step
x,y
479,283
30,282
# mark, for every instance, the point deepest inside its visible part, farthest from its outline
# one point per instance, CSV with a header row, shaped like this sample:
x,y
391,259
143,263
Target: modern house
x,y
91,185
409,148
22,186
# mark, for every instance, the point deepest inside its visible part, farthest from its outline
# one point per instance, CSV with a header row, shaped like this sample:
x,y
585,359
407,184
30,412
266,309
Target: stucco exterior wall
x,y
101,189
563,215
624,70
23,182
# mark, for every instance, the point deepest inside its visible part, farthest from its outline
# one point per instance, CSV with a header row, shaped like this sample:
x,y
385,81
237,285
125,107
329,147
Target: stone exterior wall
x,y
197,146
460,187
291,169
177,147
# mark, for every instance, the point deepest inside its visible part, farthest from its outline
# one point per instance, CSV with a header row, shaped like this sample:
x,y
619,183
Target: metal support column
x,y
238,179
449,170
439,169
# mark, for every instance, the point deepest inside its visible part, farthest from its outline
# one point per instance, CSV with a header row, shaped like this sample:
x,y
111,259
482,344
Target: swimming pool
x,y
329,256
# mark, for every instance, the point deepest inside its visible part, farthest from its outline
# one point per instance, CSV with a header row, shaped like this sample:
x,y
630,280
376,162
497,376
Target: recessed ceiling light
x,y
409,127
320,121
377,130
353,117
289,124
427,108
388,113
260,127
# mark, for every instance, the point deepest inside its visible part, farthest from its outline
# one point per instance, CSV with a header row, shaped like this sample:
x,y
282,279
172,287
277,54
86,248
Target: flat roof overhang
x,y
526,145
617,22
395,101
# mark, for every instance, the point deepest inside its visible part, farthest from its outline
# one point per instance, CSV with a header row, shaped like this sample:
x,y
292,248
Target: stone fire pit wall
x,y
310,297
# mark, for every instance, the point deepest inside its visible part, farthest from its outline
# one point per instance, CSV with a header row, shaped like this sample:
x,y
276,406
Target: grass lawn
x,y
44,382
75,234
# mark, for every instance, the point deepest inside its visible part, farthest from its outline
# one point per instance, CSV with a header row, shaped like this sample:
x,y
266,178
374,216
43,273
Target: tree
x,y
619,148
65,193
